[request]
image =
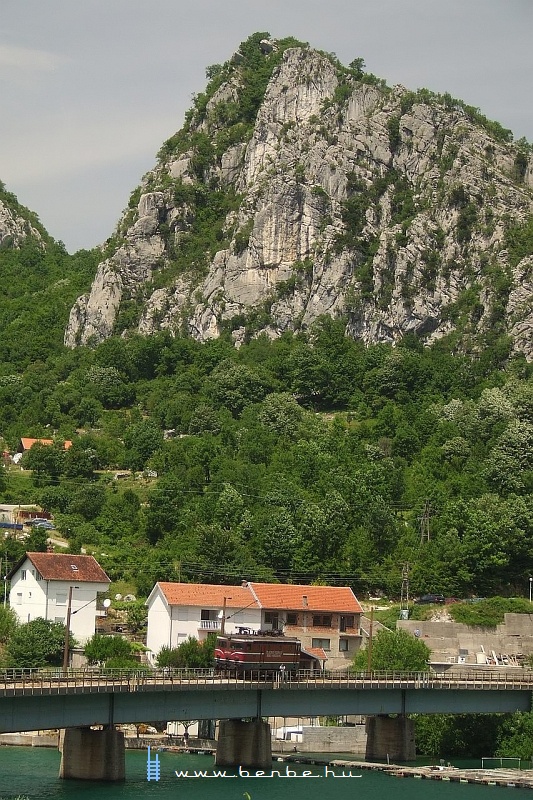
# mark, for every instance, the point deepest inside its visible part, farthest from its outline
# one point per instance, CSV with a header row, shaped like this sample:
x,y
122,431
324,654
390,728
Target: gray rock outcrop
x,y
344,197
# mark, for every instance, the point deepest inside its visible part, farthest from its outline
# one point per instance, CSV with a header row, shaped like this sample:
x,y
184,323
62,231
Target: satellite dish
x,y
106,603
220,614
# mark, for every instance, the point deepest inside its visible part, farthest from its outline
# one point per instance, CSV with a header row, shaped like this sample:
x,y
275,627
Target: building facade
x,y
177,611
44,584
326,619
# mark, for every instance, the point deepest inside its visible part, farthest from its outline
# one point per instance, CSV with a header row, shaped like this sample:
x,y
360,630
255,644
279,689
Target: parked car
x,y
44,523
430,598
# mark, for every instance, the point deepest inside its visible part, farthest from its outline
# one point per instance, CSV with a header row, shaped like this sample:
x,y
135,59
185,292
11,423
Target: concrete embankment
x,y
41,739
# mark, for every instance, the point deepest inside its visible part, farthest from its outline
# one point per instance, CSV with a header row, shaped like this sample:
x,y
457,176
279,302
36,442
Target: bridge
x,y
33,700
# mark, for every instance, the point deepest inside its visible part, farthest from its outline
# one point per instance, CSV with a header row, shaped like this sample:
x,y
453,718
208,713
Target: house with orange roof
x,y
43,583
177,611
326,619
26,443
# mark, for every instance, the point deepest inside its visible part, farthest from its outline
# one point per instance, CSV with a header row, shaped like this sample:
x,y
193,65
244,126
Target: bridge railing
x,y
23,681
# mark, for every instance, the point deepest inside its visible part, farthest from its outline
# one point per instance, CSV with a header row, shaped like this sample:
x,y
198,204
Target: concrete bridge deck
x,y
32,700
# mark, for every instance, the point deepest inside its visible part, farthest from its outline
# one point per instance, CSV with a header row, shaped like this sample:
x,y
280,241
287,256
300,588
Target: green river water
x,y
33,772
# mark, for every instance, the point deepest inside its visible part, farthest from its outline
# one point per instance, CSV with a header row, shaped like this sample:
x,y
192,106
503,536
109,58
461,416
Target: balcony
x,y
209,625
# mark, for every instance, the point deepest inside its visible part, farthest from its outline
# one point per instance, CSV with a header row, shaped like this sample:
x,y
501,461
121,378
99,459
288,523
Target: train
x,y
258,652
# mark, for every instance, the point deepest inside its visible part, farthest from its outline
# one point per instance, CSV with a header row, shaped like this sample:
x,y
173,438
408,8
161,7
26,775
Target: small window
x,y
19,598
61,599
322,620
343,645
22,574
292,619
325,644
74,567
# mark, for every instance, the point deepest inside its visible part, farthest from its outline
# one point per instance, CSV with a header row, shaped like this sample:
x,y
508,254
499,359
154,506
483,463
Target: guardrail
x,y
30,681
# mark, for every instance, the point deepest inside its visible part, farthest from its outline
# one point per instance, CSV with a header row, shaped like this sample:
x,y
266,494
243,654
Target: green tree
x,y
39,643
37,541
8,623
142,441
190,653
465,735
394,650
236,386
46,462
100,649
136,616
515,736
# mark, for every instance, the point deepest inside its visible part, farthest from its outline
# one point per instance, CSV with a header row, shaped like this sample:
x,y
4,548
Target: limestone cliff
x,y
16,222
299,187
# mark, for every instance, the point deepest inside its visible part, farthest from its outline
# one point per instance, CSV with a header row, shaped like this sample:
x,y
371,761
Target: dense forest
x,y
307,458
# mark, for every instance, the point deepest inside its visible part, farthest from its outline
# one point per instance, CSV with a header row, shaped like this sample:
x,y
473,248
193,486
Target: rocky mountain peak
x,y
299,187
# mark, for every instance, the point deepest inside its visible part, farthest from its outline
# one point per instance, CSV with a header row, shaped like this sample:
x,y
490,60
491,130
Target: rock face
x,y
330,194
15,226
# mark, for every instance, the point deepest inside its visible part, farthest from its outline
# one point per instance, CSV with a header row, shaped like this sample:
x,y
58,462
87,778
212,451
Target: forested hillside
x,y
263,442
307,458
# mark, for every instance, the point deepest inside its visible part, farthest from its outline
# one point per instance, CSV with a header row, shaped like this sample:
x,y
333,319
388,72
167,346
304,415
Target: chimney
x,y
244,584
304,601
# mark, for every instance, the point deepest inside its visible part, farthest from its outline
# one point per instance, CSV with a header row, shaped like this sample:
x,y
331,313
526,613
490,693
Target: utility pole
x,y
5,584
223,617
404,593
424,522
370,633
67,629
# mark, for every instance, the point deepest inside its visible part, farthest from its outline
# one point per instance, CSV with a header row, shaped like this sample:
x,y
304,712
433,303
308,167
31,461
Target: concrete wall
x,y
445,639
329,739
92,755
390,738
29,739
244,744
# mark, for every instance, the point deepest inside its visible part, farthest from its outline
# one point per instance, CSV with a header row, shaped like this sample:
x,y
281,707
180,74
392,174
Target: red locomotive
x,y
257,652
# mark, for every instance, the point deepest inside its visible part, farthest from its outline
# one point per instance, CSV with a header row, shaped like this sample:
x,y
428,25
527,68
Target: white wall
x,y
158,632
31,598
170,626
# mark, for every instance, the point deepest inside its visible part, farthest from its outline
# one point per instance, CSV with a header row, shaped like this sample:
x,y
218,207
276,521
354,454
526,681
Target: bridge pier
x,y
245,744
93,755
390,737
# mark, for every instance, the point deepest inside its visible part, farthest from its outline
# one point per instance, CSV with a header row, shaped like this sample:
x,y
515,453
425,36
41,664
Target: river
x,y
32,772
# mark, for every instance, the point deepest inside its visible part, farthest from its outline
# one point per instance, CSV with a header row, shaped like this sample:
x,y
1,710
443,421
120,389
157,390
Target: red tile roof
x,y
291,597
206,595
27,443
59,567
317,652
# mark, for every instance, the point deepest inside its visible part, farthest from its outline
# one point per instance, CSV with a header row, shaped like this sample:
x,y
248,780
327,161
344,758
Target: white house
x,y
177,611
326,619
42,583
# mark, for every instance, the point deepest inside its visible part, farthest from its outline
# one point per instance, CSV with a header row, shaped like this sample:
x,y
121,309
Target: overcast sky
x,y
91,89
